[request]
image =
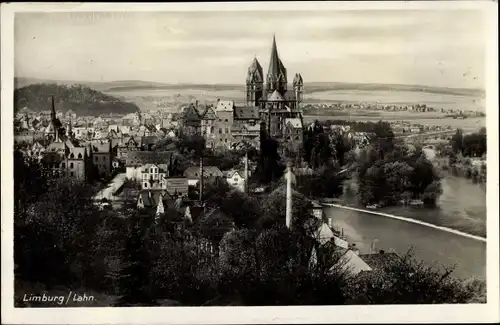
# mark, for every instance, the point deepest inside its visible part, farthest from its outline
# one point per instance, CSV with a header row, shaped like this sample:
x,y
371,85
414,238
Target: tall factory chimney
x,y
289,197
245,188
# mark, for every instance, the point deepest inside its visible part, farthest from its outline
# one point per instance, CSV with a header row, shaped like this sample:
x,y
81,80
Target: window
x,y
63,165
226,120
79,156
71,174
96,158
225,140
145,184
220,131
104,158
195,174
70,165
151,170
72,155
227,130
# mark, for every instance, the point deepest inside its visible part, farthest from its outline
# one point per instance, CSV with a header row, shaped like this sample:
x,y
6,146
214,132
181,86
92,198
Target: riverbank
x,y
387,215
476,173
437,248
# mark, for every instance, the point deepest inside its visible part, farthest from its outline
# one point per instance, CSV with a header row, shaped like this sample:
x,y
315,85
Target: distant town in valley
x,y
275,191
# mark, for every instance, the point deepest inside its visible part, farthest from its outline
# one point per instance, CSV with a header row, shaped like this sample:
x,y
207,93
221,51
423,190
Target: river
x,y
462,206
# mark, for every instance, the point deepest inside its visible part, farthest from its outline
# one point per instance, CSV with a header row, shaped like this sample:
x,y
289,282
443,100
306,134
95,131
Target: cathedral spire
x,y
274,62
276,74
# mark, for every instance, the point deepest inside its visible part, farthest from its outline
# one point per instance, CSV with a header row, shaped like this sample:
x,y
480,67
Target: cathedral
x,y
278,106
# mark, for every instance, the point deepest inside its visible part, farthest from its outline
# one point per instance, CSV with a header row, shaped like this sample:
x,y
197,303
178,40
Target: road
x,y
111,188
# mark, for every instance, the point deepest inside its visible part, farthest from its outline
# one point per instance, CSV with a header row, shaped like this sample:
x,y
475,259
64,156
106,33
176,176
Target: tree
x,y
214,192
194,144
29,182
269,167
456,141
274,207
134,276
324,182
384,176
404,280
58,229
238,263
243,209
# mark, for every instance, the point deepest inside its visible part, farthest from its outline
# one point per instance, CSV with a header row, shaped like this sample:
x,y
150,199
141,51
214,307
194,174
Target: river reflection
x,y
462,206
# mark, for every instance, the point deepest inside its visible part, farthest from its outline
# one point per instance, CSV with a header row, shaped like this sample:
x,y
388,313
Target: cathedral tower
x,y
298,87
255,83
276,74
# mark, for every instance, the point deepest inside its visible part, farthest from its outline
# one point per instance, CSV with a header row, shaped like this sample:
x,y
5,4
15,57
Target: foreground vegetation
x,y
237,253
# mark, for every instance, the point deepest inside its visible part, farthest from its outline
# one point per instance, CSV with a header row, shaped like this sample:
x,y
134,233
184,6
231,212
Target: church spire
x,y
274,62
276,74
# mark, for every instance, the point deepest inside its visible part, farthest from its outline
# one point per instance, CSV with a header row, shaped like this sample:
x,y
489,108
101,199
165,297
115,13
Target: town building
x,y
209,172
102,157
126,145
136,160
191,120
208,119
224,112
236,179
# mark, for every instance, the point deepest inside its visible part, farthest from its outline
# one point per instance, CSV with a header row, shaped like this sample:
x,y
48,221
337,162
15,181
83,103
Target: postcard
x,y
251,162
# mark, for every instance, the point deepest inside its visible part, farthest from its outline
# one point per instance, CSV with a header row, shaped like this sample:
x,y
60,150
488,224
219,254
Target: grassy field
x,y
400,98
468,124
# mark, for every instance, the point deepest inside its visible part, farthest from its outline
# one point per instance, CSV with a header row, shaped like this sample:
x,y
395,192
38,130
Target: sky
x,y
444,48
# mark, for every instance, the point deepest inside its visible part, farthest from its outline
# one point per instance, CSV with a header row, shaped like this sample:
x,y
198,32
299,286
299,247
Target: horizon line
x,y
234,84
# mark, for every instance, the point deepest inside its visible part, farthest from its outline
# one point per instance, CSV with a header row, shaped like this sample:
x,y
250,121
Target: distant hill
x,y
311,87
328,86
82,100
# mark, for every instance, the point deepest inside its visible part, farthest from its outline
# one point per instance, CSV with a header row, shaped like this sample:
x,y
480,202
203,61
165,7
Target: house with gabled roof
x,y
136,160
235,178
148,142
247,114
126,145
191,120
208,119
193,174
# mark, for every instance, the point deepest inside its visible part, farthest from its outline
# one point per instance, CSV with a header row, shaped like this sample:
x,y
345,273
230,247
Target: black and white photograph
x,y
250,154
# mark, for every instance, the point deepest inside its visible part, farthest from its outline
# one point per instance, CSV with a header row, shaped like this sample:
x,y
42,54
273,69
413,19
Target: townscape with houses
x,y
187,169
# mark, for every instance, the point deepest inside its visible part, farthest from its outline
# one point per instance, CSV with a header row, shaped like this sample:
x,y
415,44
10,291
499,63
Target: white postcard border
x,y
238,315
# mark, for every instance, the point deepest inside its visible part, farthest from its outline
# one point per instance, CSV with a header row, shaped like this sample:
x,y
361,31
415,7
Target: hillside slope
x,y
80,99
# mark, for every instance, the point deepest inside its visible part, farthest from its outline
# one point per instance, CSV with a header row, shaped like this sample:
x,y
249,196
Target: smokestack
x,y
201,179
245,188
289,197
